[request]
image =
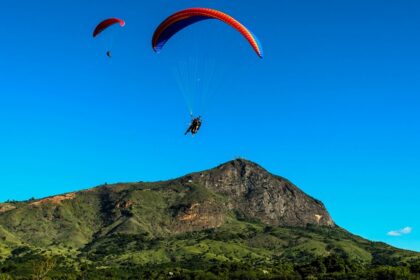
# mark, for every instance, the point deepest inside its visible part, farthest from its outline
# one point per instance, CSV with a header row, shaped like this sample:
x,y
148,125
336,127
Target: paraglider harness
x,y
194,126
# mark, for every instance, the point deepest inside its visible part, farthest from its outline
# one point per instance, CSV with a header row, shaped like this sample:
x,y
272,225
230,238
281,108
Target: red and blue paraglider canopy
x,y
184,18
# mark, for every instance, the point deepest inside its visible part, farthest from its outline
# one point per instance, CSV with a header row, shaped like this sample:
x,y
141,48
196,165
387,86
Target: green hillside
x,y
189,228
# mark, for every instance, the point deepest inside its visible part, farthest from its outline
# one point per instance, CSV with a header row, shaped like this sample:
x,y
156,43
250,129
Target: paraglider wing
x,y
107,23
184,18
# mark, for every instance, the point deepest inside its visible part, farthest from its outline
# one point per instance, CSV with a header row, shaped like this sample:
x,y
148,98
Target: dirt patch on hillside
x,y
6,207
54,199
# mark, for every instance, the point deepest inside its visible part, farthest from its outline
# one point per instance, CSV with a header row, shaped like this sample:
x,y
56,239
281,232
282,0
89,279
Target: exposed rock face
x,y
255,193
198,216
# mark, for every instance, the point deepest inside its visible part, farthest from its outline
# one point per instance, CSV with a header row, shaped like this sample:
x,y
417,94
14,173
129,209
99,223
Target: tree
x,y
42,268
334,263
415,267
392,273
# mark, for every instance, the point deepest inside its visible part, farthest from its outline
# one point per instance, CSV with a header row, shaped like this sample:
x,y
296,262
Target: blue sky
x,y
333,106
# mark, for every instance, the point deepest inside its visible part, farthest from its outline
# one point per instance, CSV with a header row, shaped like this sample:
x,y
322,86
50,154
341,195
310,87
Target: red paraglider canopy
x,y
182,19
107,23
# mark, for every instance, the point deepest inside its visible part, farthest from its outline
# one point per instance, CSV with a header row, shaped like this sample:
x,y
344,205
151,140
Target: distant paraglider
x,y
104,25
182,19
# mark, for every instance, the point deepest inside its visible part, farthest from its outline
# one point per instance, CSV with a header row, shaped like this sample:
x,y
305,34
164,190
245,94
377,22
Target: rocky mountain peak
x,y
241,163
241,167
255,193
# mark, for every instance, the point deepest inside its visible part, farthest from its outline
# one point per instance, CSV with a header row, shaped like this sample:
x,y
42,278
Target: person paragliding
x,y
189,76
194,126
105,24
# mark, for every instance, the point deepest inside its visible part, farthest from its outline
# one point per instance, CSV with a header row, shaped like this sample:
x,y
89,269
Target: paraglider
x,y
104,25
182,19
194,126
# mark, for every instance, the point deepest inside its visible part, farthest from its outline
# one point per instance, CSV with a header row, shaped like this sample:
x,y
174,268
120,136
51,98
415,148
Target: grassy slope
x,y
98,227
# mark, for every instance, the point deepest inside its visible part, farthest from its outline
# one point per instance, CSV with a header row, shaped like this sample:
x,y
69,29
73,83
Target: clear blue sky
x,y
333,106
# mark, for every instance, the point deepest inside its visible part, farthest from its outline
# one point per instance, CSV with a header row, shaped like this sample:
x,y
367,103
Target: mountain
x,y
231,219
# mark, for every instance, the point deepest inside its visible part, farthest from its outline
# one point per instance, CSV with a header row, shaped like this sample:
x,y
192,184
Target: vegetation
x,y
237,250
179,229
